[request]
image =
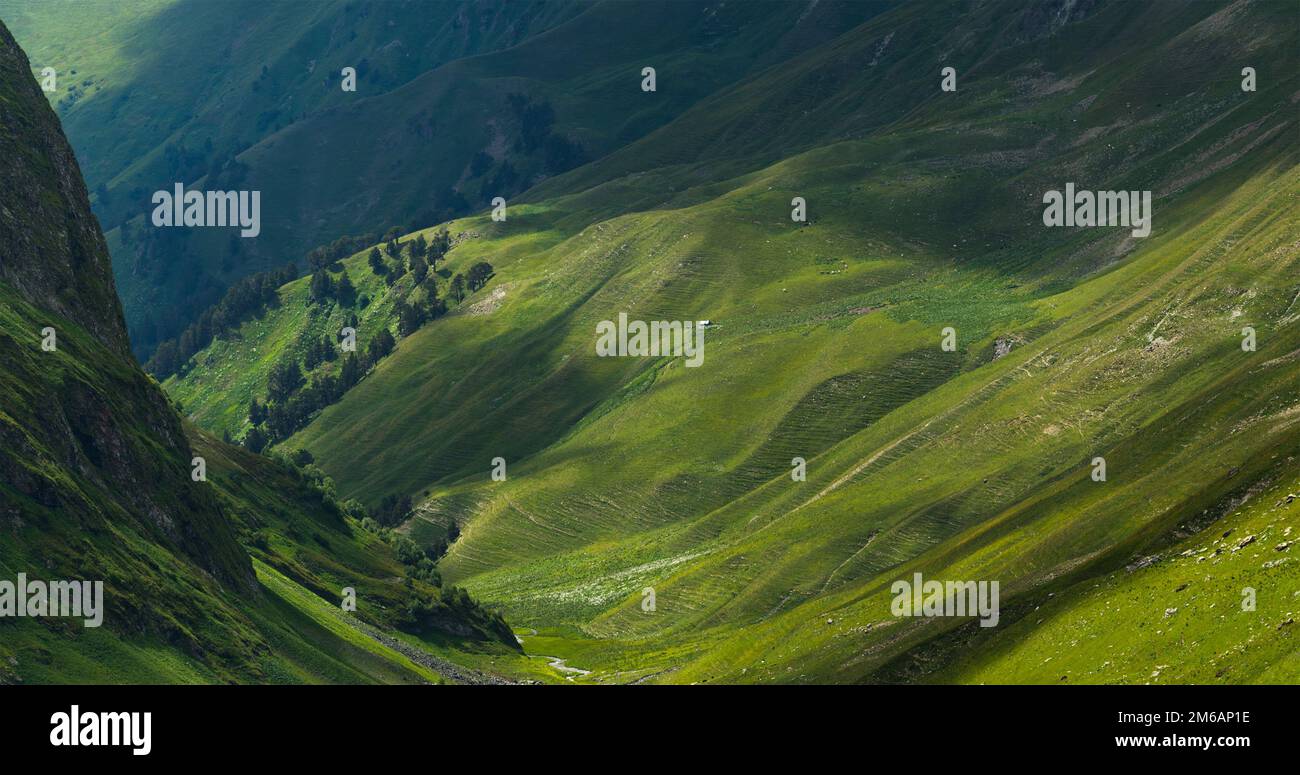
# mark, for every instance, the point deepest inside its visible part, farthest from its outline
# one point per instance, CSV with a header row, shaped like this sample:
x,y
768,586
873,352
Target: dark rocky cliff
x,y
51,248
90,448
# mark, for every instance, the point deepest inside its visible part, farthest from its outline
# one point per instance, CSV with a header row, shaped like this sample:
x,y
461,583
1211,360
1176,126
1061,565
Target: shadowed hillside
x,y
456,103
627,476
101,481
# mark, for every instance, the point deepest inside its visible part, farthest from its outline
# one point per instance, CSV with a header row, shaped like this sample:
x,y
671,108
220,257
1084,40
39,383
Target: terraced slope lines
x,y
909,367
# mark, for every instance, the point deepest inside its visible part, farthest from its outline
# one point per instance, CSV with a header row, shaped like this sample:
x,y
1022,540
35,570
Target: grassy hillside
x,y
217,386
924,213
183,604
251,100
100,482
1223,601
214,55
158,91
94,487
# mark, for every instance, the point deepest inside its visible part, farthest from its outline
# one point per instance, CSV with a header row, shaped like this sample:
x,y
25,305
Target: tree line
x,y
251,295
426,604
293,400
246,298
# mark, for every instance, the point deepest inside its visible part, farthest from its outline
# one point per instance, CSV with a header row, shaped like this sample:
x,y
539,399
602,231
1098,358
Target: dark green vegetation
x,y
456,102
633,473
236,578
924,212
291,358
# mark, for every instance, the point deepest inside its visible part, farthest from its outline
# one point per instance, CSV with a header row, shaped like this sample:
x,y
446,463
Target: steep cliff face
x,y
95,468
51,248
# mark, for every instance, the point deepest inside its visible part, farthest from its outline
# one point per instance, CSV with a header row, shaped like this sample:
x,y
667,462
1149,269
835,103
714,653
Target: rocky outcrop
x,y
89,446
51,248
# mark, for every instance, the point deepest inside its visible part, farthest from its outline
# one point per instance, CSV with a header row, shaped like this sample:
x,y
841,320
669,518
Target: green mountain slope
x,y
159,91
1223,600
97,484
925,212
251,100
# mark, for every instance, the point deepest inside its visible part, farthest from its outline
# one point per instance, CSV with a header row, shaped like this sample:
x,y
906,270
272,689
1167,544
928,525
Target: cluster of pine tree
x,y
319,351
326,255
293,399
478,275
411,316
324,287
418,256
429,608
242,300
428,605
393,510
